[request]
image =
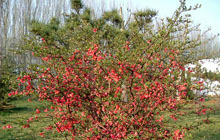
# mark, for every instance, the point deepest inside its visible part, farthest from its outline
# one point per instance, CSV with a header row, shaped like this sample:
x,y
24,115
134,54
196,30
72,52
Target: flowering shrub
x,y
104,83
85,91
86,94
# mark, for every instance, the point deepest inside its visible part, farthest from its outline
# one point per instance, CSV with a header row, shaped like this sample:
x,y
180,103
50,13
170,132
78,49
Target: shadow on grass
x,y
7,111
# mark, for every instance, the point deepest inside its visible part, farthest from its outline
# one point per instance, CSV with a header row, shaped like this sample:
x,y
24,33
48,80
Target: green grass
x,y
17,116
23,110
209,131
200,131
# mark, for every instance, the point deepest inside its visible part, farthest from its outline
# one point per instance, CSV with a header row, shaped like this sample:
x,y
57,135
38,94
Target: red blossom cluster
x,y
87,89
7,127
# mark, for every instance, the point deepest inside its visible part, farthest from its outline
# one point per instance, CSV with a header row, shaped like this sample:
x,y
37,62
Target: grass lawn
x,y
17,116
22,110
209,131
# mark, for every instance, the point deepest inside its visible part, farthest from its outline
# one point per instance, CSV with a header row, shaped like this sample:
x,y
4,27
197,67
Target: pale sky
x,y
208,15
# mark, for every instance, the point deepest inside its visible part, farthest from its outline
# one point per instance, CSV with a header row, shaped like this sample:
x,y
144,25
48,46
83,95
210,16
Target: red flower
x,y
42,134
127,47
173,117
178,135
201,99
31,119
7,127
204,111
49,128
117,107
26,126
182,88
37,111
43,39
114,75
46,110
95,30
45,58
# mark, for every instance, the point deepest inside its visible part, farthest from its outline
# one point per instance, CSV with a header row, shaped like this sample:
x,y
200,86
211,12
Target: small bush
x,y
7,75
